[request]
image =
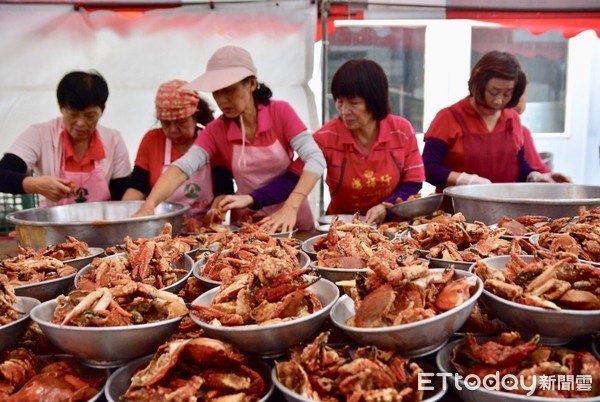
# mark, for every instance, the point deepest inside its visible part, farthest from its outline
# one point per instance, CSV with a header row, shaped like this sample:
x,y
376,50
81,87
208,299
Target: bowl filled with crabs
x,y
14,315
267,311
552,294
511,367
190,369
109,326
405,306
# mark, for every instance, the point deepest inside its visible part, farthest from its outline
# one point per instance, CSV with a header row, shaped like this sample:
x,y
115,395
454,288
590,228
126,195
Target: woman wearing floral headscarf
x,y
182,114
255,138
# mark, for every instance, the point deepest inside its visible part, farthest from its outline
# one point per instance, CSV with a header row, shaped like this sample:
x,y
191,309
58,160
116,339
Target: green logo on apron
x,y
192,190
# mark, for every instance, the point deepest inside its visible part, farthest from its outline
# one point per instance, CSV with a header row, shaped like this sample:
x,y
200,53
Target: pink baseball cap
x,y
173,102
228,65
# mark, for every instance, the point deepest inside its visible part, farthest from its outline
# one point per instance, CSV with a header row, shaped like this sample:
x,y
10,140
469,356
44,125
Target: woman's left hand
x,y
283,220
376,214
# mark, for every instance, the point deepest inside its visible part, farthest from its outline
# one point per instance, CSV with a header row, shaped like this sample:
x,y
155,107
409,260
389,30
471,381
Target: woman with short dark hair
x,y
372,156
73,157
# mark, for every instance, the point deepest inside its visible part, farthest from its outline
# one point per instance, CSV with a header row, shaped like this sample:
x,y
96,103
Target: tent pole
x,y
325,6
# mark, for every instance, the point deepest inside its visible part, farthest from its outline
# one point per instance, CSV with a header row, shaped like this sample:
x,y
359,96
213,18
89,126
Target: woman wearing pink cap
x,y
255,138
74,158
182,115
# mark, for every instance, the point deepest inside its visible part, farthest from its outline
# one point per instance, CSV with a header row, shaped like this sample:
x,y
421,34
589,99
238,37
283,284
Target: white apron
x,y
197,191
264,163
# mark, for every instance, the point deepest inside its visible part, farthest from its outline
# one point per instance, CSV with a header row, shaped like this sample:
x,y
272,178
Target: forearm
x,y
434,153
524,166
166,185
139,180
117,187
191,161
13,171
305,185
278,190
131,194
404,190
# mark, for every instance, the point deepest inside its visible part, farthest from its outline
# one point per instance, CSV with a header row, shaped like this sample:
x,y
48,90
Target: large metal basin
x,y
488,203
100,224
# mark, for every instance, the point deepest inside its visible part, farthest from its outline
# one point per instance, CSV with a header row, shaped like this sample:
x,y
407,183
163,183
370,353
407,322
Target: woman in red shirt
x,y
478,139
182,115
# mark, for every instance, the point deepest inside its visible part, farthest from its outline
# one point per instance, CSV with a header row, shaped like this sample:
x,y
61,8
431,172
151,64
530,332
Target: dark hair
x,y
204,114
262,94
364,78
496,64
79,90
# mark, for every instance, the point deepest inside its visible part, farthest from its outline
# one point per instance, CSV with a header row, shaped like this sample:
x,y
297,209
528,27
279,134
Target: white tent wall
x,y
40,43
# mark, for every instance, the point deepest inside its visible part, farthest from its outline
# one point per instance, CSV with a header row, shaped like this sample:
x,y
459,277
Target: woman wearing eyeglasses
x,y
182,114
478,140
73,157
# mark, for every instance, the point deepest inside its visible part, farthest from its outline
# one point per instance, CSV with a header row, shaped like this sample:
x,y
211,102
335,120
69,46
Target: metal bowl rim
x,y
96,251
49,324
313,265
25,316
454,191
53,281
269,327
439,317
12,217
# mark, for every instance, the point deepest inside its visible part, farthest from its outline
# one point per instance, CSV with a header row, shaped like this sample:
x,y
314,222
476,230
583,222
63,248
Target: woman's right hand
x,y
146,209
52,188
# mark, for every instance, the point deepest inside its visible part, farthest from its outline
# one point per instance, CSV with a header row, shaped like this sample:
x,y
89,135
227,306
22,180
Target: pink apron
x,y
90,186
197,191
265,163
363,184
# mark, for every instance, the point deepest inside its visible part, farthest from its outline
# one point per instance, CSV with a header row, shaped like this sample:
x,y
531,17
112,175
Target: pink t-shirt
x,y
277,121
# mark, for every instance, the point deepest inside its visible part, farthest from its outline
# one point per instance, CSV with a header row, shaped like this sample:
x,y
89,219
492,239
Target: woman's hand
x,y
283,220
376,214
235,201
146,209
53,188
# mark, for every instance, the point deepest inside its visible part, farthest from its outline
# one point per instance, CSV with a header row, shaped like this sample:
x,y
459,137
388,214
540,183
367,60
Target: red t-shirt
x,y
94,153
151,154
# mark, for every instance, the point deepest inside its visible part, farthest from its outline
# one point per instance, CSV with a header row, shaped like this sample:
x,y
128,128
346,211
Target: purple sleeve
x,y
524,166
278,190
434,153
404,190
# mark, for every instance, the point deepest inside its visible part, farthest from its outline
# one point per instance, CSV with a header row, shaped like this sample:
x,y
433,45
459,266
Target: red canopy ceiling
x,y
537,22
569,23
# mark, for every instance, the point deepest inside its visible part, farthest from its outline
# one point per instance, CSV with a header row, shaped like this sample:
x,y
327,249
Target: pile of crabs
x,y
261,283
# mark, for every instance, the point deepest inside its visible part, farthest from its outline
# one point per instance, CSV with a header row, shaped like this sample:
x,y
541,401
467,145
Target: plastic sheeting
x,y
40,43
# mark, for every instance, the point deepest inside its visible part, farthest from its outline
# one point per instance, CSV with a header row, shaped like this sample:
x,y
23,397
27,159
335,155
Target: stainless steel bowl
x,y
196,271
482,394
274,339
46,290
283,235
326,219
83,261
488,203
436,392
11,333
104,347
441,263
185,263
337,274
99,224
303,259
418,207
308,248
555,327
414,339
120,380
